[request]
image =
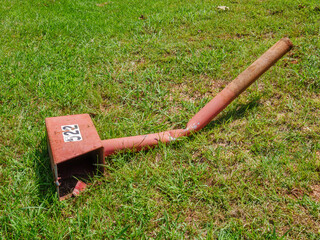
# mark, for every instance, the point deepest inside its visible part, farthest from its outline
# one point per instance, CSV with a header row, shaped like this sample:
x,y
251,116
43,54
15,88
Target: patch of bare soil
x,y
315,194
297,193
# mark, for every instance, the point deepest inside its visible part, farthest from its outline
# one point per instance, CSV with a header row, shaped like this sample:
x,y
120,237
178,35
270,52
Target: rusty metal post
x,y
209,111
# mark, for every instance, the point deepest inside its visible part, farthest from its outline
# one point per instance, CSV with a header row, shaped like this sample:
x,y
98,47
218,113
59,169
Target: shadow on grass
x,y
236,112
44,177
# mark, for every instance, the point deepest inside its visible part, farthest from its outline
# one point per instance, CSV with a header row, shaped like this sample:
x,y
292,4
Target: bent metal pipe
x,y
209,111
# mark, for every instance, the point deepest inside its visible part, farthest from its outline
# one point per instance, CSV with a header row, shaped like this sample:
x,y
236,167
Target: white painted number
x,y
71,133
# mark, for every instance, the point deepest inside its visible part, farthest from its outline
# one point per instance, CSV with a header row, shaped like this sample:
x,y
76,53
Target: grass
x,y
140,67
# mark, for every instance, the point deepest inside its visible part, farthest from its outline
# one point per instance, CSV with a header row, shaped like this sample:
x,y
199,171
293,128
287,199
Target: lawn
x,y
141,67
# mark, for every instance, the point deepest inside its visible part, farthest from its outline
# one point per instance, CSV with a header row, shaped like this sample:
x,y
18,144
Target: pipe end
x,y
287,41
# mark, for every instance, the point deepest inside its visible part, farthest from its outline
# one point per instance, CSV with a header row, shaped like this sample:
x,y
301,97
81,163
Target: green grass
x,y
250,174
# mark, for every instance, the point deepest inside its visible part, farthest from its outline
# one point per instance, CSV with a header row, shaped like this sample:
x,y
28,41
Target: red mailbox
x,y
75,150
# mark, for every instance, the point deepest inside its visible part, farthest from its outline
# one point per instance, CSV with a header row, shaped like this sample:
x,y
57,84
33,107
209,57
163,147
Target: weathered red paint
x,y
80,186
68,159
140,142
